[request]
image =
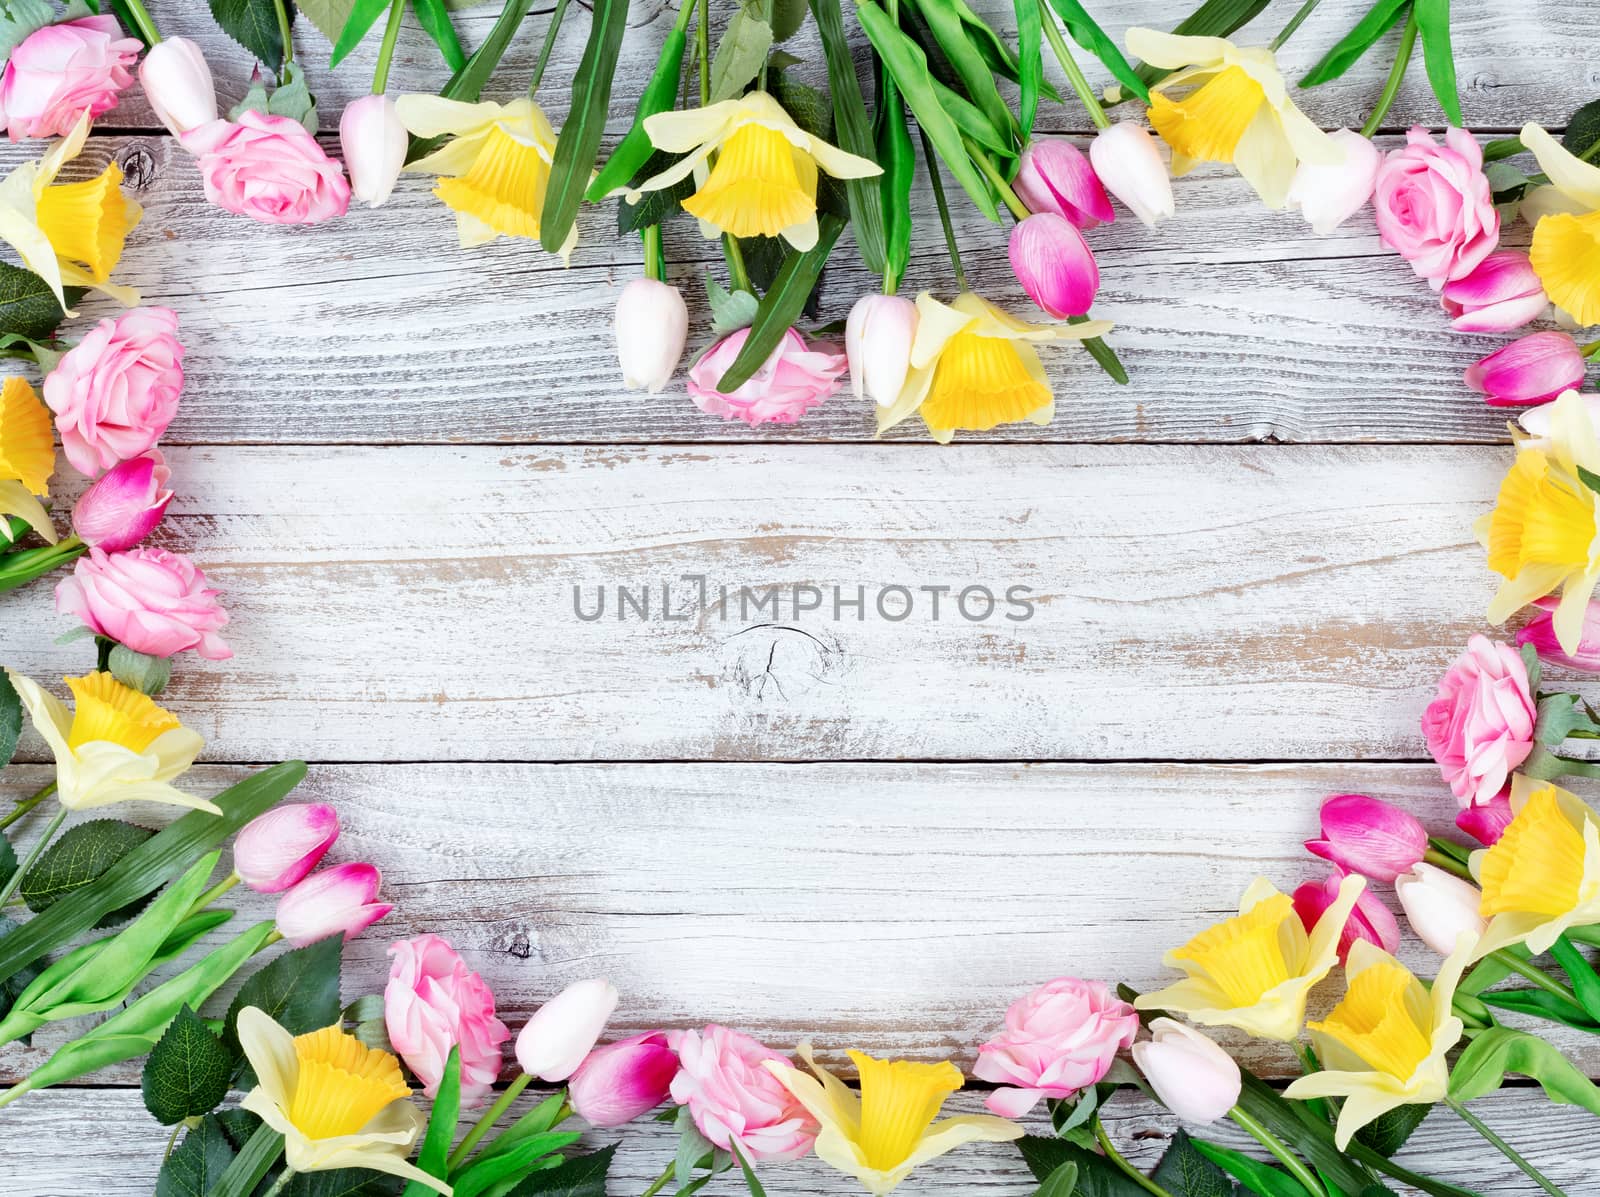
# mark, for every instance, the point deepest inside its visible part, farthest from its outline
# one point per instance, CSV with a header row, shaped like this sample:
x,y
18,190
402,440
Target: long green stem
x,y
26,805
1538,976
33,856
655,264
1295,22
285,32
1281,1153
1504,1148
660,1182
992,172
549,44
146,24
281,1183
391,35
1069,65
932,159
215,892
702,50
490,1117
1448,863
1121,1161
1391,88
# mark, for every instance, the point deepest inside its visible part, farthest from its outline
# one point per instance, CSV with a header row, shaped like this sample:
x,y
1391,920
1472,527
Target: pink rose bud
x,y
1440,907
60,72
373,142
1327,196
275,851
1370,920
1480,727
1129,166
1057,1041
153,601
652,325
1486,822
1363,835
1502,294
1193,1077
564,1030
125,505
1053,176
794,379
269,169
177,82
623,1081
1541,633
433,1003
877,344
1532,369
1054,264
116,391
724,1081
342,900
1435,207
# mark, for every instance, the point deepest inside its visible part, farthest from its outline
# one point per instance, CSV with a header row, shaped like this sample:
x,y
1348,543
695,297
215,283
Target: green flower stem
x,y
655,263
1592,349
26,805
215,892
1121,1161
702,50
1402,59
490,1117
143,21
1504,1148
1069,64
286,33
1281,1153
1448,863
44,842
932,160
21,566
660,1182
281,1183
734,256
391,34
549,44
1538,976
1295,22
992,172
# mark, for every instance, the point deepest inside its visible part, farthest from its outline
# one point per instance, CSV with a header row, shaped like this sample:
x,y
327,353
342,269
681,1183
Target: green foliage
x,y
730,310
434,17
659,95
1030,71
255,1158
781,306
1540,1003
1482,1068
854,131
1088,34
787,17
299,991
198,1163
579,142
1063,1182
434,1155
290,98
1263,1179
1347,51
254,25
1097,1176
1433,25
740,53
28,309
18,982
1582,138
10,710
949,30
580,1176
79,858
1214,18
486,1172
1185,1171
188,1071
345,23
1388,1133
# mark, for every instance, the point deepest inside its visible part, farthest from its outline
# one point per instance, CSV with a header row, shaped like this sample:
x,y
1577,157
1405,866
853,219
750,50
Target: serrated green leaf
x,y
1347,51
739,55
808,106
781,306
1097,1176
10,713
344,1182
28,307
579,142
80,857
299,991
1582,138
187,1073
254,25
1184,1170
1433,25
580,1176
198,1163
1387,1133
345,23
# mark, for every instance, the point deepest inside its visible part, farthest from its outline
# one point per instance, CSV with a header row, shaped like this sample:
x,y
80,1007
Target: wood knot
x,y
138,165
771,662
520,947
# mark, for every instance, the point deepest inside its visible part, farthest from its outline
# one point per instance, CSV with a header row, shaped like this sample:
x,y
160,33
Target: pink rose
x,y
1057,1041
62,71
433,1003
116,392
269,169
1435,207
733,1098
1370,919
793,380
621,1081
1480,727
150,600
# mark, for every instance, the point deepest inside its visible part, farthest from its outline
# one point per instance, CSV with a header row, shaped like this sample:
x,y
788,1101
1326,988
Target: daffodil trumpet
x,y
1565,253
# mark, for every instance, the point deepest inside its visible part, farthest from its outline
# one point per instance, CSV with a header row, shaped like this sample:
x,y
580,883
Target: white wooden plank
x,y
418,603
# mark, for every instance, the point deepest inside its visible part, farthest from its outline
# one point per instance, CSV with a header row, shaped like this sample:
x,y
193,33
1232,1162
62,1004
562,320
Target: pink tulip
x,y
150,600
276,850
1193,1077
1328,195
1435,207
1363,835
63,71
1486,822
1502,294
1057,1041
1440,907
1129,166
794,379
177,82
564,1030
1533,369
877,343
732,1095
1053,176
434,1003
1541,633
342,900
1370,920
125,505
1053,263
1480,726
373,142
623,1081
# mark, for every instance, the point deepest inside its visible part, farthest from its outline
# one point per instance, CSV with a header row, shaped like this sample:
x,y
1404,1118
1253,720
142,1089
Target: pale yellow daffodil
x,y
1255,971
1544,532
69,234
764,180
879,1136
1384,1045
27,456
116,745
1542,876
974,367
494,170
1566,227
1236,109
336,1102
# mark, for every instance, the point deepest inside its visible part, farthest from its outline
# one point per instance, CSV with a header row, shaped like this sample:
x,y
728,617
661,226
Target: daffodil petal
x,y
15,500
435,116
1171,50
1265,159
838,163
1573,177
270,1050
680,132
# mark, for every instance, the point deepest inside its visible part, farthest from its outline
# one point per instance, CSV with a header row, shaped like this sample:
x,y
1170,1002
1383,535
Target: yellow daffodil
x,y
1255,971
27,456
116,745
879,1136
1235,108
495,169
1543,874
1566,227
764,180
974,367
1542,533
69,234
336,1102
1384,1044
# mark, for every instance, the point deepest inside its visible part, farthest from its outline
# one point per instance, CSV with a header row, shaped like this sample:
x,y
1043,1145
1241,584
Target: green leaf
x,y
730,310
1097,1177
1030,69
1482,1068
854,131
751,1181
581,1176
254,25
1387,1133
654,206
781,306
1088,34
579,142
198,1163
971,121
1380,18
18,983
18,19
975,73
659,95
8,859
358,18
1185,1171
10,713
740,53
486,1171
299,991
1433,24
28,307
1063,1182
78,859
255,1159
1582,138
1263,1179
1585,982
434,1155
434,17
787,17
188,1071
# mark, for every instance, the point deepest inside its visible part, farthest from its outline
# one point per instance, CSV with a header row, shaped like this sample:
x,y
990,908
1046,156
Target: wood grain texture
x,y
418,603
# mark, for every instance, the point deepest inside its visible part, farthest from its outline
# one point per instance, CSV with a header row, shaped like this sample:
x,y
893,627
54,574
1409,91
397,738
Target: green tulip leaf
x,y
1482,1068
1380,18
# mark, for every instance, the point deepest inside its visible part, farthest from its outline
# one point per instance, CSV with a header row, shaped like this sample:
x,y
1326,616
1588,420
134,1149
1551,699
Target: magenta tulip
x,y
1541,633
1370,920
276,850
1532,369
1053,176
342,900
1486,822
1053,263
619,1082
1363,835
1501,295
125,505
